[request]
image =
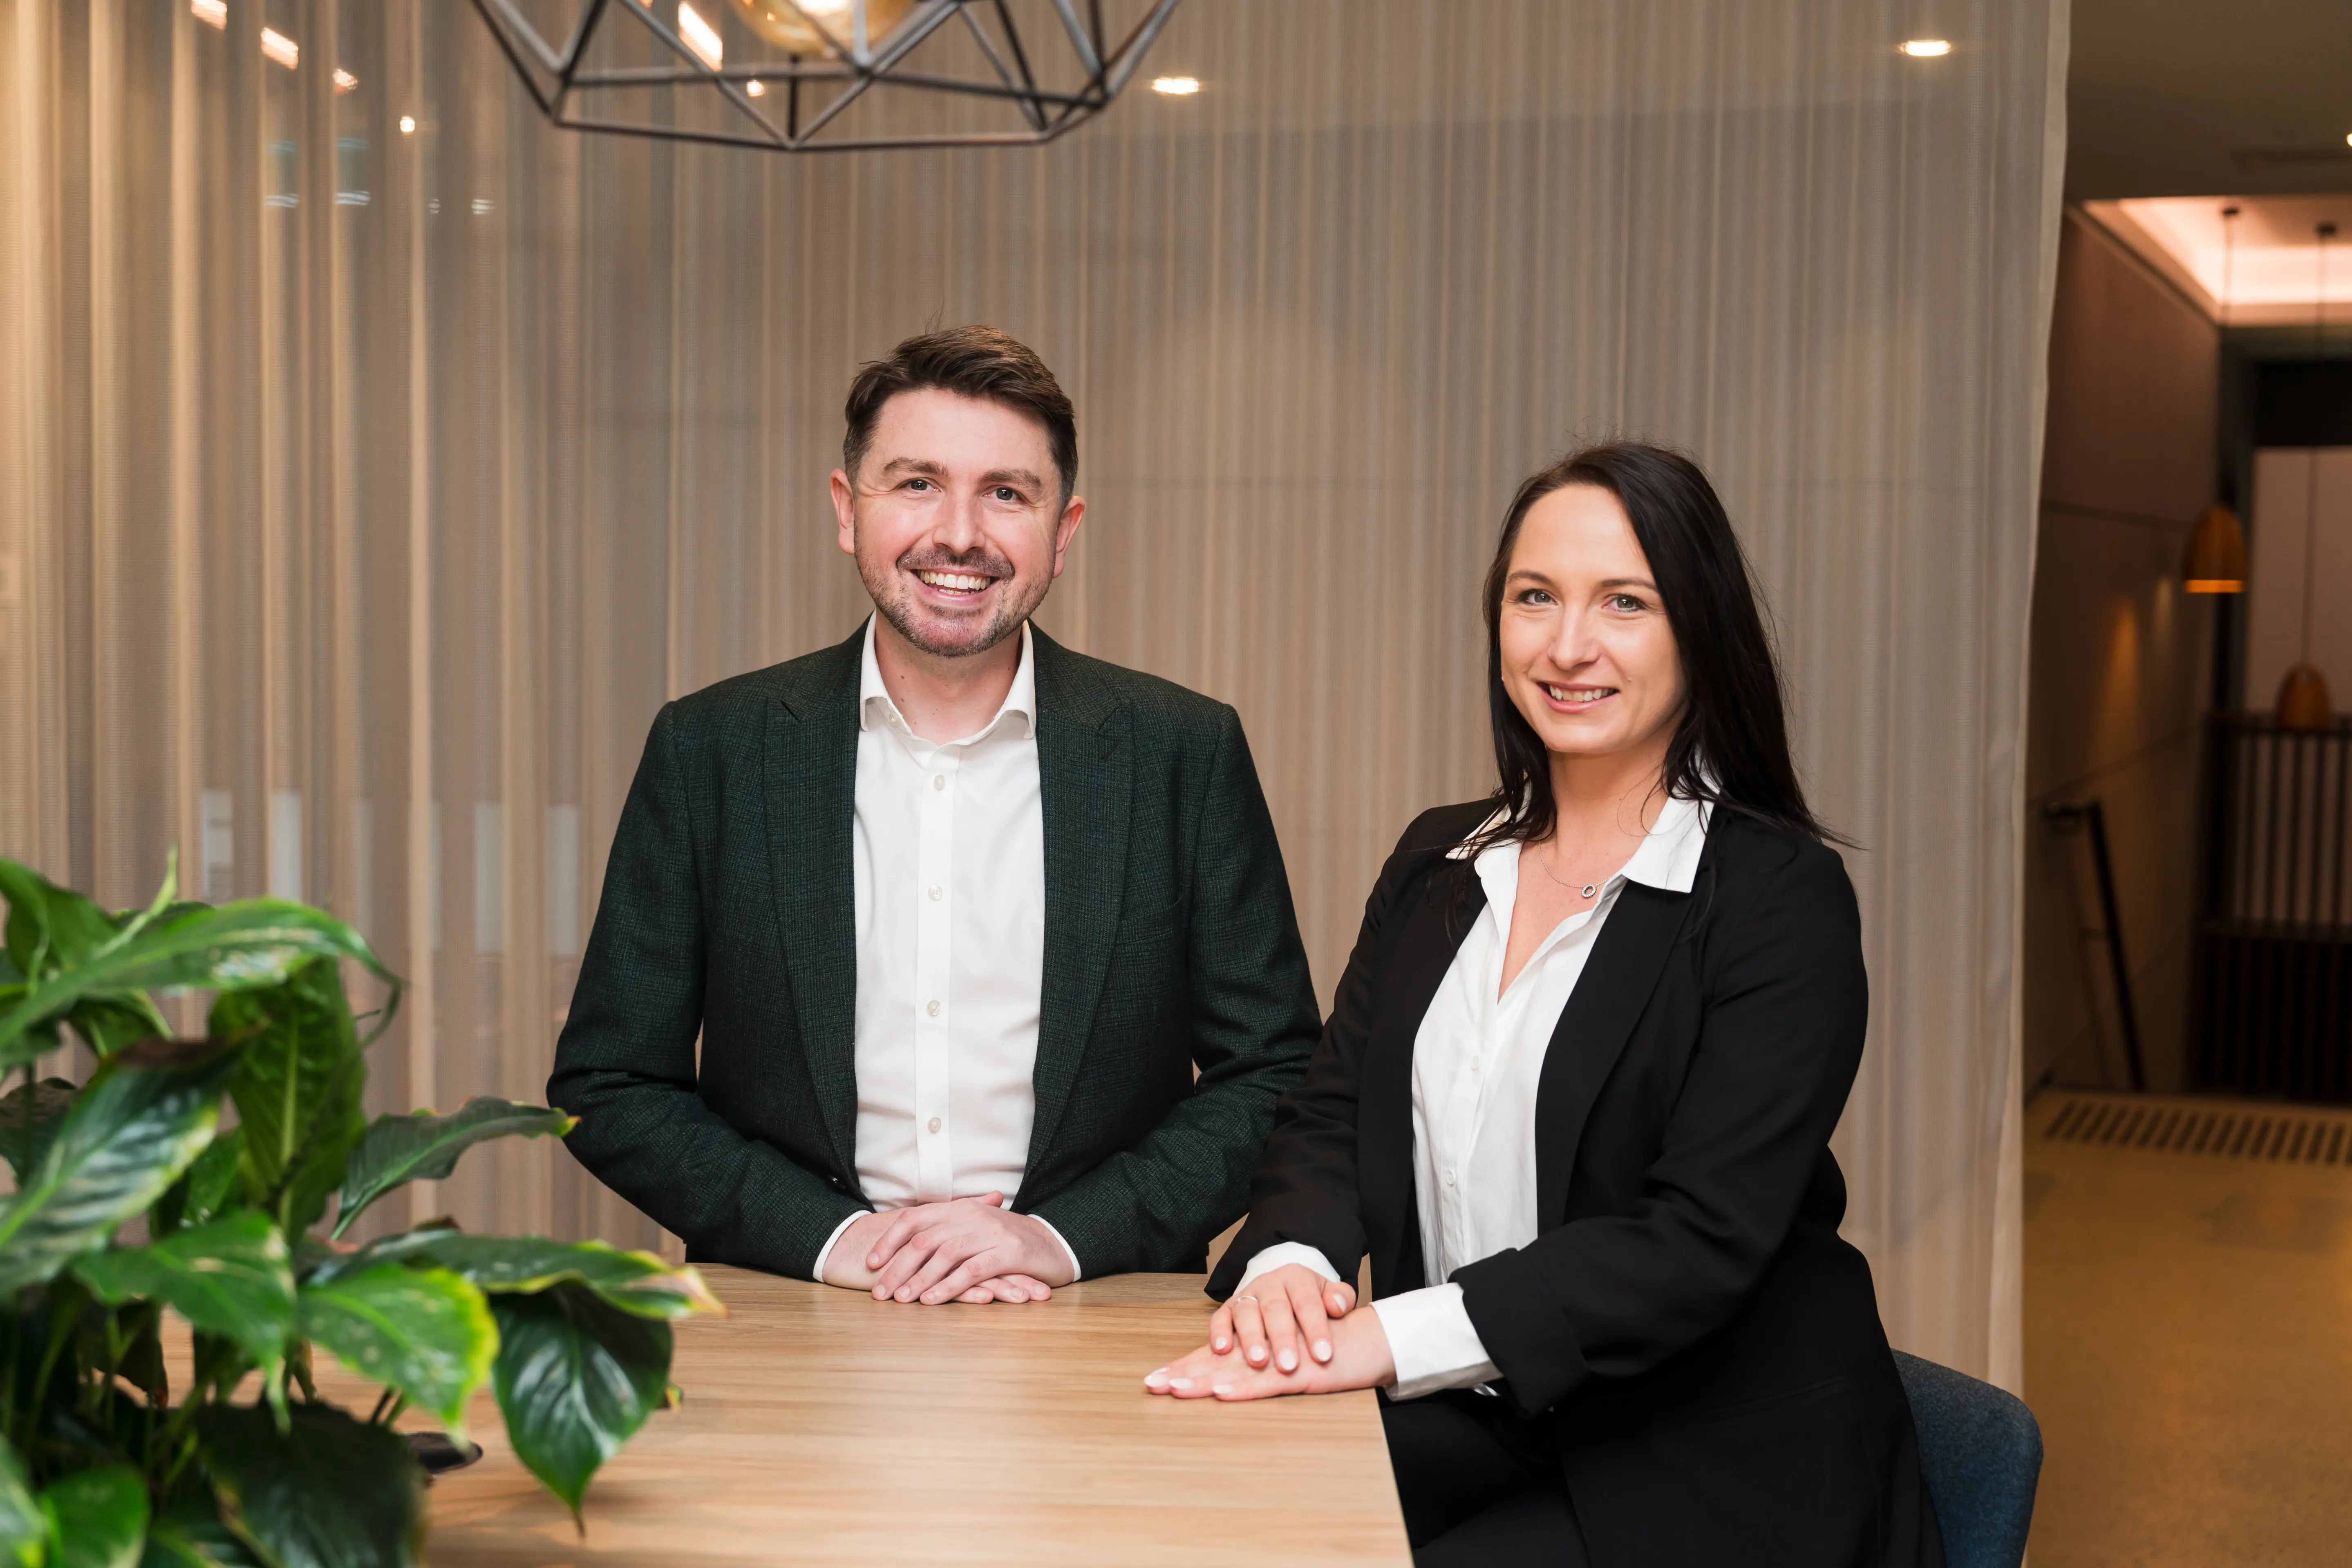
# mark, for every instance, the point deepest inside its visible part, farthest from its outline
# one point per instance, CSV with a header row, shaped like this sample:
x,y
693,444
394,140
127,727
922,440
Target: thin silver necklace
x,y
1586,891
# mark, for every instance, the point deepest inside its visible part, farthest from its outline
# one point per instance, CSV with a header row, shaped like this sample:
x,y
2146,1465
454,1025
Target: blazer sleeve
x,y
1304,1188
1252,1026
1784,1005
625,1063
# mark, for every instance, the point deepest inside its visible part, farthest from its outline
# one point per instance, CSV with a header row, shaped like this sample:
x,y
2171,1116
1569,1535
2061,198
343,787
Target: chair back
x,y
1980,1451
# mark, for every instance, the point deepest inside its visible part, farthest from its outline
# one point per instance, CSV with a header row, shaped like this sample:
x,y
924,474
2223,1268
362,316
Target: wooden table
x,y
821,1426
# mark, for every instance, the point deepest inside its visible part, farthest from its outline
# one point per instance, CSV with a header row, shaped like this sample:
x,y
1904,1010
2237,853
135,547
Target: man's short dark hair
x,y
972,362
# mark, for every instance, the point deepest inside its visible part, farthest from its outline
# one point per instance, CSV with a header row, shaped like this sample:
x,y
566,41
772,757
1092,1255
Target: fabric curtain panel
x,y
364,490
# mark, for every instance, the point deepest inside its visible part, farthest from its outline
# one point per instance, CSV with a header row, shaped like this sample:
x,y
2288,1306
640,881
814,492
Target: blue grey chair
x,y
1980,1450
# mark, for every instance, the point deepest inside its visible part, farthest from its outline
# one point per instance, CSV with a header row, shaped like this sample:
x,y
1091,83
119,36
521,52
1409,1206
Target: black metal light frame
x,y
812,93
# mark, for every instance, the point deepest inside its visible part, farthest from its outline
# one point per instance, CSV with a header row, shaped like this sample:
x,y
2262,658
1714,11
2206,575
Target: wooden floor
x,y
2188,1343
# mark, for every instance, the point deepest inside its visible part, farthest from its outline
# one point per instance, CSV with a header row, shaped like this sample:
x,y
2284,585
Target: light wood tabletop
x,y
821,1426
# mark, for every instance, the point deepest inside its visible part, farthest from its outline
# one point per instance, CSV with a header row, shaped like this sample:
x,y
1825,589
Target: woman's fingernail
x,y
1257,1357
1180,1382
1223,1389
1219,1346
1156,1379
1322,1350
1287,1361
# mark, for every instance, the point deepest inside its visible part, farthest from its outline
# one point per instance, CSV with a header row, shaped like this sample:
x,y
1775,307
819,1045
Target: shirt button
x,y
934,1124
932,1008
1449,1178
938,781
938,894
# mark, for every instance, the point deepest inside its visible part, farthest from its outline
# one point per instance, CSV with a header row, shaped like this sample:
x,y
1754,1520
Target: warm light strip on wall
x,y
215,12
282,49
701,37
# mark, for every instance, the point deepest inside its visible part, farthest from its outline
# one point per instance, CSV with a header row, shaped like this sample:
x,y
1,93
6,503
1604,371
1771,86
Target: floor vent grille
x,y
2232,1132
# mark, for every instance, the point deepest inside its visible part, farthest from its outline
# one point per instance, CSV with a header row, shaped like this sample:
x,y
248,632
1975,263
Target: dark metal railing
x,y
2274,936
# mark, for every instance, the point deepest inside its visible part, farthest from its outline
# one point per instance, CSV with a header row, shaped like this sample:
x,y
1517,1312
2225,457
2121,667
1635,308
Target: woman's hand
x,y
1360,1359
1283,1319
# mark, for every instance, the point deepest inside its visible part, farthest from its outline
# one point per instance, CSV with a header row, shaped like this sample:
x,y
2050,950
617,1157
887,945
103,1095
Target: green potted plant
x,y
103,1463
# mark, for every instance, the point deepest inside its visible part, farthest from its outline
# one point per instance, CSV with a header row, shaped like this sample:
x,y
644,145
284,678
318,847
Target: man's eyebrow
x,y
1012,477
915,465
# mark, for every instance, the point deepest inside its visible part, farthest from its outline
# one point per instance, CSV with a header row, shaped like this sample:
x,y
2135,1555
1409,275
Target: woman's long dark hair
x,y
1731,747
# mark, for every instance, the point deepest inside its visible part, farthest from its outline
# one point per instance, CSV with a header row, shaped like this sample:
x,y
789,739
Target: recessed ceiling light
x,y
1176,86
756,88
1928,48
408,125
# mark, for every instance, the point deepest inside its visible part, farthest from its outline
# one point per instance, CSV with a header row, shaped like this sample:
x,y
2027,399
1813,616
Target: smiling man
x,y
956,913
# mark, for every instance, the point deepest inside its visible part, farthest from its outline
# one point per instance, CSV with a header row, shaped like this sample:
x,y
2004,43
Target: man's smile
x,y
958,583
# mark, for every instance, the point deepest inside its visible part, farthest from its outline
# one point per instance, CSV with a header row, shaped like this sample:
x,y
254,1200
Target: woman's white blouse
x,y
1476,1061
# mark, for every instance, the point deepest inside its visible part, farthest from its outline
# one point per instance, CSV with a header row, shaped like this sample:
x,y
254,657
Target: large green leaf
x,y
237,947
98,1518
29,1114
331,1492
145,1114
189,1533
24,1528
637,1282
296,1087
575,1379
424,1146
214,1176
53,928
229,1277
424,1331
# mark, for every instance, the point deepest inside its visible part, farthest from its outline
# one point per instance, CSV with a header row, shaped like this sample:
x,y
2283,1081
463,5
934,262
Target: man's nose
x,y
961,529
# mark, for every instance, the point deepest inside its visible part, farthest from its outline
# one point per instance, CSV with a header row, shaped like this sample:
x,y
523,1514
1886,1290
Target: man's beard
x,y
892,598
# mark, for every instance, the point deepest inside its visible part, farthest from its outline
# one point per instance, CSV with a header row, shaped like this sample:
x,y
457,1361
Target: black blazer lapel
x,y
1619,975
810,786
1086,780
1438,923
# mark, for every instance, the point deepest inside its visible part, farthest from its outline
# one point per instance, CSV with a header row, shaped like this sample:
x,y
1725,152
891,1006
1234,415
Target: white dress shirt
x,y
948,851
1477,1060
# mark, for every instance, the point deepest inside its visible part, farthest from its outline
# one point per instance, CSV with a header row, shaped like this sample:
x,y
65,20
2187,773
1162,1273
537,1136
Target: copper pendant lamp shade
x,y
2216,562
2302,699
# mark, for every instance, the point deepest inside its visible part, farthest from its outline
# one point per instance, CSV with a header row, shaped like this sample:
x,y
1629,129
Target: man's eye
x,y
919,484
1007,493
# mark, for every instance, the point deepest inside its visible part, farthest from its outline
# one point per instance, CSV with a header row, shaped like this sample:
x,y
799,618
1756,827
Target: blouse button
x,y
934,1124
932,1008
938,781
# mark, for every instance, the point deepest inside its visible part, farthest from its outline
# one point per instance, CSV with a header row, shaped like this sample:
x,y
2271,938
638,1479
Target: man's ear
x,y
1065,528
844,510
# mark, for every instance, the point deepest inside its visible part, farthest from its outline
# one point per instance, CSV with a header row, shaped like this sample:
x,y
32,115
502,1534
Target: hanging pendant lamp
x,y
797,76
2216,561
2303,701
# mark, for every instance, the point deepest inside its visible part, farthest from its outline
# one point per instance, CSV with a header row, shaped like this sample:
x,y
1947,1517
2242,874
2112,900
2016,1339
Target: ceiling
x,y
2208,98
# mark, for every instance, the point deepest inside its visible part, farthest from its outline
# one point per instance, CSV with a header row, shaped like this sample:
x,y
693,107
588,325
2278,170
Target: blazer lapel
x,y
810,787
1619,975
1086,778
1436,924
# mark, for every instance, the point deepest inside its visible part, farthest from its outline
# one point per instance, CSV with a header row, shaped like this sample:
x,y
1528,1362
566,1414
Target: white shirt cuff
x,y
1432,1341
1077,1273
817,1270
1282,1252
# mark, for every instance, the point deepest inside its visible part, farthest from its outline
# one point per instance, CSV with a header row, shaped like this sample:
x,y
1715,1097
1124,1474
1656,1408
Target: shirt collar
x,y
874,701
1667,859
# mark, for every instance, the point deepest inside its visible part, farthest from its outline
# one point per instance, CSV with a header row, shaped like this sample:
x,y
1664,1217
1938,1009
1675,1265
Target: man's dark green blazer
x,y
1169,943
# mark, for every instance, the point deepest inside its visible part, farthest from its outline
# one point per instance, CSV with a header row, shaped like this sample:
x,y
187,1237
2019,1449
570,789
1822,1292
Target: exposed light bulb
x,y
815,28
1928,48
345,81
701,37
755,89
1176,86
408,125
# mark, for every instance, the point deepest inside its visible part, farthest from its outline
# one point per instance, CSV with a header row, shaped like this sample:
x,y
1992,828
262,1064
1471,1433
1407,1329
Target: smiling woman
x,y
1579,1116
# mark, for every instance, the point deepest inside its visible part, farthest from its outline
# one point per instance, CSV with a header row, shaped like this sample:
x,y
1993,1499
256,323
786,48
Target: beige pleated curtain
x,y
363,491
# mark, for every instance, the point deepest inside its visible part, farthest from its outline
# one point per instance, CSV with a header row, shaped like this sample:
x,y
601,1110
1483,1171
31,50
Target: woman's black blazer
x,y
1706,1350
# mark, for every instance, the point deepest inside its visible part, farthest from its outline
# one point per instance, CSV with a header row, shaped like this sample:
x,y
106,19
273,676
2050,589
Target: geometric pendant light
x,y
799,76
2216,561
2302,702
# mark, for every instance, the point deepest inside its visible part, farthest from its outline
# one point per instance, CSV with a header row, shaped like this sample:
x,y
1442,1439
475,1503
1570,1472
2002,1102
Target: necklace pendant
x,y
1587,889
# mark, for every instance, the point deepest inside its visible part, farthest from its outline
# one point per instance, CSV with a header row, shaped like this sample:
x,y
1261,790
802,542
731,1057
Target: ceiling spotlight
x,y
345,81
282,49
1928,48
755,89
701,37
1176,86
408,125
